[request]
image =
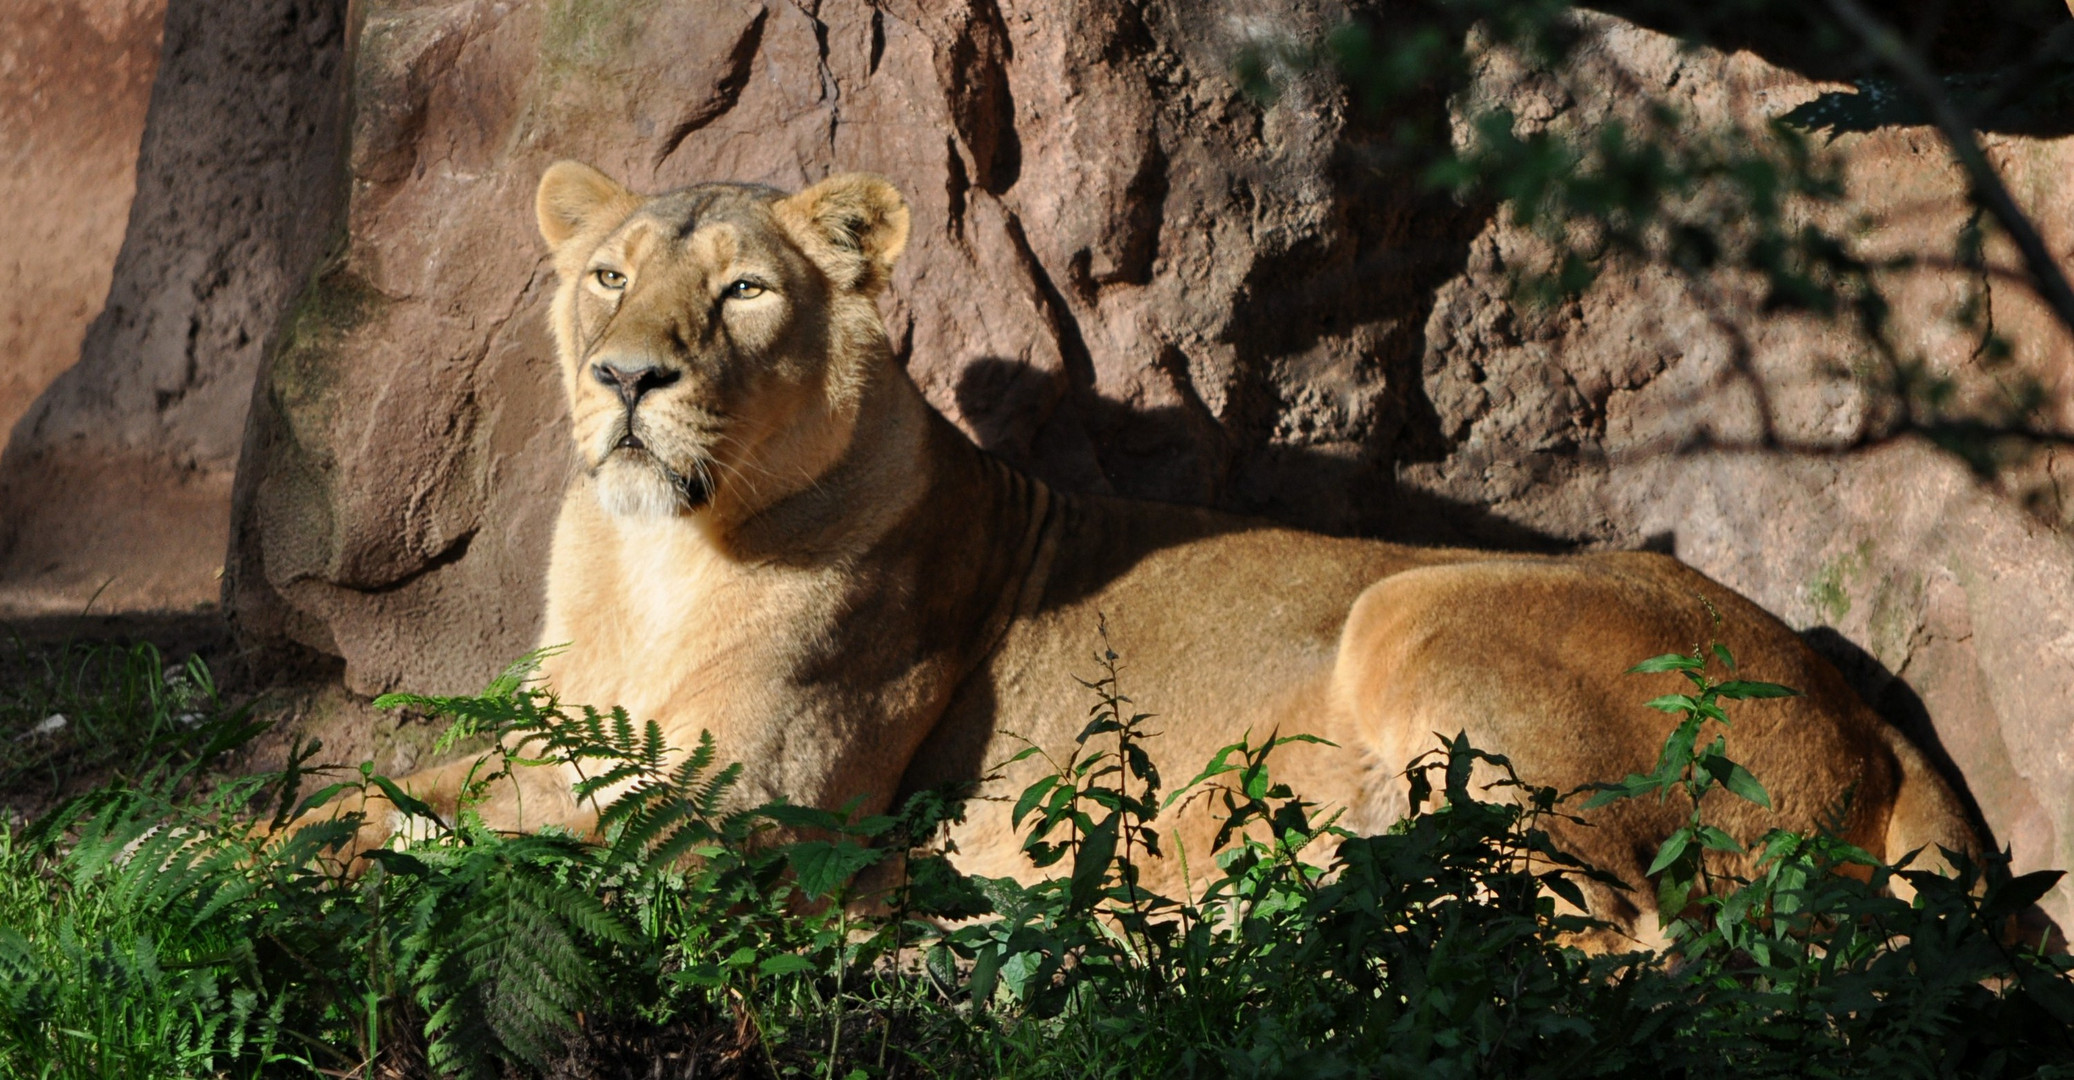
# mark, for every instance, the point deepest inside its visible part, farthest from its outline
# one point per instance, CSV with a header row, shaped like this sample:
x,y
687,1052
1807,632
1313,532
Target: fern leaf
x,y
653,747
677,845
614,775
631,803
715,792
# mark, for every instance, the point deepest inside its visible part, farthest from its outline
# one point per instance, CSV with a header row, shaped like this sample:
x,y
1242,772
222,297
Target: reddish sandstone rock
x,y
115,486
1121,270
75,76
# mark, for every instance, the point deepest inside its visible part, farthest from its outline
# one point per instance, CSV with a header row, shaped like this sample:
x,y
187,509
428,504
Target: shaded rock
x,y
75,76
115,486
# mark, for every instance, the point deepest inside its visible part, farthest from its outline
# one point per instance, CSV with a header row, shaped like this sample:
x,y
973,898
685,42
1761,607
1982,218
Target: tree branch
x,y
1988,190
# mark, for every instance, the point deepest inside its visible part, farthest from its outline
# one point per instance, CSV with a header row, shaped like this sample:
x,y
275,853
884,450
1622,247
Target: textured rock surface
x,y
1120,268
1129,278
116,484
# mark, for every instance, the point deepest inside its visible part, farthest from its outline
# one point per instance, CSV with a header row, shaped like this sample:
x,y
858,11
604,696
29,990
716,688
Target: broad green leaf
x,y
801,817
1673,847
785,964
1737,780
706,976
1627,789
1091,861
986,973
1668,662
1254,780
397,862
1218,766
403,800
822,867
1559,883
1739,689
2019,893
1672,896
1030,798
319,798
1673,703
1020,970
1714,839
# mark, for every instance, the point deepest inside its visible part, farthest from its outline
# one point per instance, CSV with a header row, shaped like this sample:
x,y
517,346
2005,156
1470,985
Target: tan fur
x,y
859,603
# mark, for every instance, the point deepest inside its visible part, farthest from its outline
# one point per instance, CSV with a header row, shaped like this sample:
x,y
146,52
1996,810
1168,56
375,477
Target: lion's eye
x,y
743,290
611,279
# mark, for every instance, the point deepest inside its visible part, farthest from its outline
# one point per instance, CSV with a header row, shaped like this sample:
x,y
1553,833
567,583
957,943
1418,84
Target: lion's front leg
x,y
529,799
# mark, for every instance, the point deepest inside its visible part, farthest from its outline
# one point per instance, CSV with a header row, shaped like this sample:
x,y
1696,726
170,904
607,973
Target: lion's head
x,y
715,340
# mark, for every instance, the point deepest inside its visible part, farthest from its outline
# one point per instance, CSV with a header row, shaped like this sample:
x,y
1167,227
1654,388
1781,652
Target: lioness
x,y
773,537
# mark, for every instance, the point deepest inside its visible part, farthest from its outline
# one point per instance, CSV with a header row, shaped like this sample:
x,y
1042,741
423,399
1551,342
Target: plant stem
x,y
842,938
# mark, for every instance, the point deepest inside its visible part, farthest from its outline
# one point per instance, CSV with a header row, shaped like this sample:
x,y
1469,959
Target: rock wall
x,y
115,486
1109,234
1128,277
75,77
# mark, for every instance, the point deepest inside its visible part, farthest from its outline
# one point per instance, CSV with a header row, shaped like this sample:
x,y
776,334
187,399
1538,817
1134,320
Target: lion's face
x,y
713,338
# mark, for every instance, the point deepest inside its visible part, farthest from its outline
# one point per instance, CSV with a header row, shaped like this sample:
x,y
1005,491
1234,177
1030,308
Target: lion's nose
x,y
632,382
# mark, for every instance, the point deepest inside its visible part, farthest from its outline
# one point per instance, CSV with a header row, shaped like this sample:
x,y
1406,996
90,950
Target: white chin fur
x,y
632,492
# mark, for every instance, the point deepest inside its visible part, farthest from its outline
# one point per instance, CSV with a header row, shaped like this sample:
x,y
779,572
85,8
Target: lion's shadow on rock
x,y
1897,703
1082,443
1079,441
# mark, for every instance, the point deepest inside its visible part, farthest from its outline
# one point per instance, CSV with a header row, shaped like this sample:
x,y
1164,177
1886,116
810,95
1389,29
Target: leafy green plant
x,y
121,954
1690,766
147,930
73,712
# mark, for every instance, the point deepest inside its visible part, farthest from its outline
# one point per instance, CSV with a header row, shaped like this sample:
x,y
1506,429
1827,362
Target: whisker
x,y
737,473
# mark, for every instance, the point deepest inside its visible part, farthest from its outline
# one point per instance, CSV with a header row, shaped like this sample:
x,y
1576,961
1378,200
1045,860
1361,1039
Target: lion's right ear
x,y
573,195
854,225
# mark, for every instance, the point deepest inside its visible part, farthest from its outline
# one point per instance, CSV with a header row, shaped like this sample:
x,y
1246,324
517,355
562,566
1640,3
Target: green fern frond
x,y
656,810
679,843
614,775
714,793
653,747
633,802
516,960
698,761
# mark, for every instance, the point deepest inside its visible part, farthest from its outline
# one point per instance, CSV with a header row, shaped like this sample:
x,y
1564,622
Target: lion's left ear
x,y
854,225
573,196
